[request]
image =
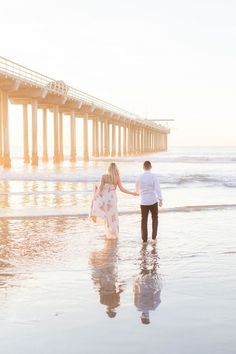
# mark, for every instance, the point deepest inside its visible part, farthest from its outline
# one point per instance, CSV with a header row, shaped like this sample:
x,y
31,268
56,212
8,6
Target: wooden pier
x,y
115,132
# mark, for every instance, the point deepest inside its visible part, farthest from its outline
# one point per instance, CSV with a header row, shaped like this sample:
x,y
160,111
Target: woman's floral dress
x,y
104,209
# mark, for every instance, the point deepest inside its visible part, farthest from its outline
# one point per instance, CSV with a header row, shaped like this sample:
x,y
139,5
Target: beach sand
x,y
64,289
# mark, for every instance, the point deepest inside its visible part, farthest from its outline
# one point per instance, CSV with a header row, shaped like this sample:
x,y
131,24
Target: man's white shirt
x,y
148,187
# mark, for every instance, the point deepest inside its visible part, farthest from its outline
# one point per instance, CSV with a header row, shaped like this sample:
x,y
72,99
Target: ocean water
x,y
65,289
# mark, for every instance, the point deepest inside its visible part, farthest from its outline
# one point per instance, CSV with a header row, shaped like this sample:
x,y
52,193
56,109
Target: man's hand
x,y
160,203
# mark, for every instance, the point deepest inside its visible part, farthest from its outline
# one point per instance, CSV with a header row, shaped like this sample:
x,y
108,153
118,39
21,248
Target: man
x,y
147,186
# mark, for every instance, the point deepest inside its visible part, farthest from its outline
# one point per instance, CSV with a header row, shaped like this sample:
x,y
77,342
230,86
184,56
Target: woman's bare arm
x,y
124,190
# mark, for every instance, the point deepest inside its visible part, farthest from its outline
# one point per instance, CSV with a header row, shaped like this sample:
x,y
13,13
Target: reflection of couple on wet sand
x,y
104,202
105,276
147,285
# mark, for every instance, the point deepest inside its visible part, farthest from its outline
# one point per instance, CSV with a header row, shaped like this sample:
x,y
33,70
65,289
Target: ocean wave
x,y
167,157
9,213
83,177
174,159
214,180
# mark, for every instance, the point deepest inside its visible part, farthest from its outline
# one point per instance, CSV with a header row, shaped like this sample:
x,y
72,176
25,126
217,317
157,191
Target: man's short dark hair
x,y
145,320
147,165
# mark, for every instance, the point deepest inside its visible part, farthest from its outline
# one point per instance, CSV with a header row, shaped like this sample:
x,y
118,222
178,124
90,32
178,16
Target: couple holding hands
x,y
104,202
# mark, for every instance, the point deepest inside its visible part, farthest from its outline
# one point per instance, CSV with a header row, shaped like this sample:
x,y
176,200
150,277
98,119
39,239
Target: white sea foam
x,y
10,213
225,180
196,156
176,159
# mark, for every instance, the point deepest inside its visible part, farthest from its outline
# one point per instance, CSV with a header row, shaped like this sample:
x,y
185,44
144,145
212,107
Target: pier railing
x,y
11,69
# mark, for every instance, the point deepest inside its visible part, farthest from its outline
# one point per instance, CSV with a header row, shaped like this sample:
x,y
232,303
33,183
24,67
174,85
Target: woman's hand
x,y
135,194
160,203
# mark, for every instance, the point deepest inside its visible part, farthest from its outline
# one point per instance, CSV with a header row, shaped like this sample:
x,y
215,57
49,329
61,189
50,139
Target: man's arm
x,y
137,186
158,190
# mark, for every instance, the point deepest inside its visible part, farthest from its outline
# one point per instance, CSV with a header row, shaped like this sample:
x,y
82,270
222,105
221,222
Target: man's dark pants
x,y
144,227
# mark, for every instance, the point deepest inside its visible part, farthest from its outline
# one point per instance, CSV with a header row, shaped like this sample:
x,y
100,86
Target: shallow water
x,y
64,289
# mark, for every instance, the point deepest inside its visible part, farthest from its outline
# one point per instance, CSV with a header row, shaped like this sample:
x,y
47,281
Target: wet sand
x,y
65,289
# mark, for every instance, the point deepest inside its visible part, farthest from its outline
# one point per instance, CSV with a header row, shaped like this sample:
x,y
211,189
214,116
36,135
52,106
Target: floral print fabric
x,y
104,208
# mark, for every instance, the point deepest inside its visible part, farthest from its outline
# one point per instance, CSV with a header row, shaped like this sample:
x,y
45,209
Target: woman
x,y
104,203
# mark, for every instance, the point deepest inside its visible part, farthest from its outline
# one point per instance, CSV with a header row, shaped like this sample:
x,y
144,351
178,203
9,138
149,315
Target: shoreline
x,y
25,214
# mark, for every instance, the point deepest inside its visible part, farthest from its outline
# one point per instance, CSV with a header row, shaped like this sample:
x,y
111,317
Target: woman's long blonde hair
x,y
113,173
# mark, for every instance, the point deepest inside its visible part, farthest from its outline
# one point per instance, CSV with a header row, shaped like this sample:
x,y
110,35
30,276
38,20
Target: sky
x,y
159,59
